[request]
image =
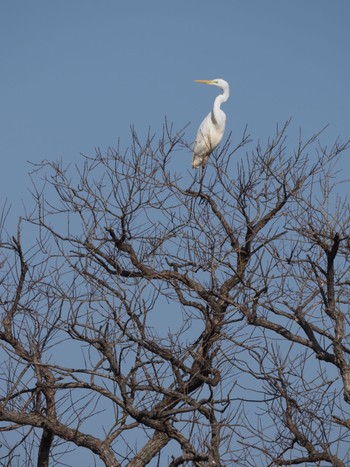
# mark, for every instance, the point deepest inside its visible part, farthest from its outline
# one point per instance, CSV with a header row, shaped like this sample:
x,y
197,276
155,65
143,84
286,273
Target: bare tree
x,y
159,319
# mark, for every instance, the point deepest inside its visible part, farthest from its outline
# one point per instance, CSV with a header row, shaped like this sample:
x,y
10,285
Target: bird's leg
x,y
201,179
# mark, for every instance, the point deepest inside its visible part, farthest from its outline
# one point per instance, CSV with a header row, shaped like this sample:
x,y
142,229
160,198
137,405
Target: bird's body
x,y
212,127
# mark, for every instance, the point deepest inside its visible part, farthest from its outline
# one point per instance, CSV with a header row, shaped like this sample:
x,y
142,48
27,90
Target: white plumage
x,y
212,127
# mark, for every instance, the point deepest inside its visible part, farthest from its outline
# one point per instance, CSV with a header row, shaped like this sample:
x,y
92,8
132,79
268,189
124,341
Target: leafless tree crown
x,y
164,318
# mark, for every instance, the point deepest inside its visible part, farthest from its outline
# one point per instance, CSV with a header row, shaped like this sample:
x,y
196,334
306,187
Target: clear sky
x,y
75,74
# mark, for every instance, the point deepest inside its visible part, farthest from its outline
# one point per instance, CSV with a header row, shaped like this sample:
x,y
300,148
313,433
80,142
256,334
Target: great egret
x,y
212,127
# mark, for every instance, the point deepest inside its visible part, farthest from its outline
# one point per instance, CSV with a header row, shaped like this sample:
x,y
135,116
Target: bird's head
x,y
220,83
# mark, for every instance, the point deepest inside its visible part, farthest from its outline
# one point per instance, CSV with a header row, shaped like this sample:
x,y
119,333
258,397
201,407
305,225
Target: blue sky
x,y
75,74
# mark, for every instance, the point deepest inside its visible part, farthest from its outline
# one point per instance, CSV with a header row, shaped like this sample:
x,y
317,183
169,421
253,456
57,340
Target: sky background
x,y
76,74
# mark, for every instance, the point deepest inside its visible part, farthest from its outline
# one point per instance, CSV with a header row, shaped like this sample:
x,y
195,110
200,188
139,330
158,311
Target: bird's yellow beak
x,y
204,81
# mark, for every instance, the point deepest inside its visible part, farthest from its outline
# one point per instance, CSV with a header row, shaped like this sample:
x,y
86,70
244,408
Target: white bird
x,y
212,128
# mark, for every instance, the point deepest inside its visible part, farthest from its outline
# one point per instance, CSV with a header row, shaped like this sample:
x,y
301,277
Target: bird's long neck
x,y
217,112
